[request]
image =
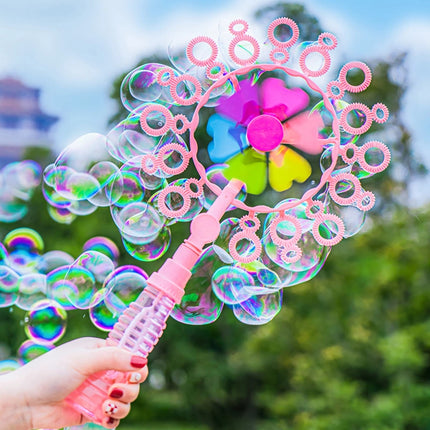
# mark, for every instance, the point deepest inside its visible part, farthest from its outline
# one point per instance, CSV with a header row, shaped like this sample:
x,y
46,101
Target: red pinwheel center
x,y
265,133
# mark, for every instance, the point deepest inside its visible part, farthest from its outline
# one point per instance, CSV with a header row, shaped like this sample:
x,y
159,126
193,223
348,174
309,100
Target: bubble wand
x,y
262,136
142,324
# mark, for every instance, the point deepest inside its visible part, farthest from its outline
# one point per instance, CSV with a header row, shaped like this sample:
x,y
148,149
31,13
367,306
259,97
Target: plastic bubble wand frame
x,y
260,133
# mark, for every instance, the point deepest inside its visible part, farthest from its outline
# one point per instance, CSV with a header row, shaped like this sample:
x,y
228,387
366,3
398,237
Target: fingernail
x,y
110,408
135,377
116,393
137,361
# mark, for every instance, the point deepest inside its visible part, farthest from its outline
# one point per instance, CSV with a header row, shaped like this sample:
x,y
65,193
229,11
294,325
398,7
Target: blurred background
x,y
349,349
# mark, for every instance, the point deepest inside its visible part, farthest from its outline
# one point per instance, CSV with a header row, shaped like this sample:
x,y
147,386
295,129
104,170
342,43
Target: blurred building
x,y
23,124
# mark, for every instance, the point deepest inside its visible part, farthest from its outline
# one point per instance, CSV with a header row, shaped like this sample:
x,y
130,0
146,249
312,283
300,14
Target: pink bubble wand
x,y
143,322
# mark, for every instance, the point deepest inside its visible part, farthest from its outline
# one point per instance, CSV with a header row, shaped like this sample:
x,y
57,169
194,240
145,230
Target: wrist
x,y
14,411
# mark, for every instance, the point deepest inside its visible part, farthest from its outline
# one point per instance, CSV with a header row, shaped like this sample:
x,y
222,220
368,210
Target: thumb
x,y
110,358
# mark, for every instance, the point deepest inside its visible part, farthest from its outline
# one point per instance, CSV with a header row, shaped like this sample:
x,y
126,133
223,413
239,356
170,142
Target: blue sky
x,y
73,49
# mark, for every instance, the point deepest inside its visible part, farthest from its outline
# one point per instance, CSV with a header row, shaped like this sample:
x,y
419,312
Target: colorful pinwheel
x,y
255,129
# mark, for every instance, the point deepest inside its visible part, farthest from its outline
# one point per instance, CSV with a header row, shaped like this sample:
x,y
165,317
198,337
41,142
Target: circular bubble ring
x,y
314,208
325,65
291,254
366,201
242,61
294,32
279,55
241,23
250,223
356,107
355,65
202,40
183,121
173,147
327,41
252,238
346,177
349,153
194,97
335,90
321,220
174,213
273,229
165,76
215,75
196,184
163,111
361,156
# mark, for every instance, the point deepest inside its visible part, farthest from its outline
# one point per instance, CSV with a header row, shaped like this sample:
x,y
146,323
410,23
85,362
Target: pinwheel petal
x,y
249,167
302,132
286,166
280,101
242,106
228,139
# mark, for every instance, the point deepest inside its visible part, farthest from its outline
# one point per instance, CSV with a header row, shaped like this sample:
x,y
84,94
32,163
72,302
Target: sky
x,y
74,49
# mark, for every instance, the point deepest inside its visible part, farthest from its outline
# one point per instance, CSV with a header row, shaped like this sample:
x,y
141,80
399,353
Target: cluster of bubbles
x,y
48,285
18,180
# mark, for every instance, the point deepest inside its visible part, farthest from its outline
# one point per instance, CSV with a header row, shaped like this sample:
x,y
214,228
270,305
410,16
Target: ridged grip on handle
x,y
137,330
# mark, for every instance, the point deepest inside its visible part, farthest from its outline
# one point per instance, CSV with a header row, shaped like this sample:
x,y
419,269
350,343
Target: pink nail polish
x,y
138,362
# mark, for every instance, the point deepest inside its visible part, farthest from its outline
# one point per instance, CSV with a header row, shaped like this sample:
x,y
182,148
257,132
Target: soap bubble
x,y
32,288
103,245
29,350
121,288
260,309
9,284
60,289
7,366
200,305
53,260
148,251
228,284
45,322
61,215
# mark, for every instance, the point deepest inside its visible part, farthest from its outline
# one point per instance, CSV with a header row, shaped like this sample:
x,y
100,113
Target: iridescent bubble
x,y
61,215
260,309
53,260
228,228
228,284
59,288
45,322
149,251
22,177
9,281
29,350
24,238
72,178
23,262
104,245
53,198
141,86
127,139
88,274
122,287
32,288
81,207
111,183
138,222
133,189
200,305
7,366
11,207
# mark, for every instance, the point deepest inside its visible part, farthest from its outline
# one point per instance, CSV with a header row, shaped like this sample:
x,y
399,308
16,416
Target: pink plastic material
x,y
142,323
265,133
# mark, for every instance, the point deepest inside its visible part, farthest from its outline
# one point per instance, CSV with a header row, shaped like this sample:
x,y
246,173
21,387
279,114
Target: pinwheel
x,y
255,130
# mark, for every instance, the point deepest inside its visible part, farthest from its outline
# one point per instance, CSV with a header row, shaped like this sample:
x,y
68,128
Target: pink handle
x,y
142,323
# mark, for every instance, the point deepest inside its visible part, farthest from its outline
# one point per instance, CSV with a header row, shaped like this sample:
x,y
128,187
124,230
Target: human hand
x,y
34,395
